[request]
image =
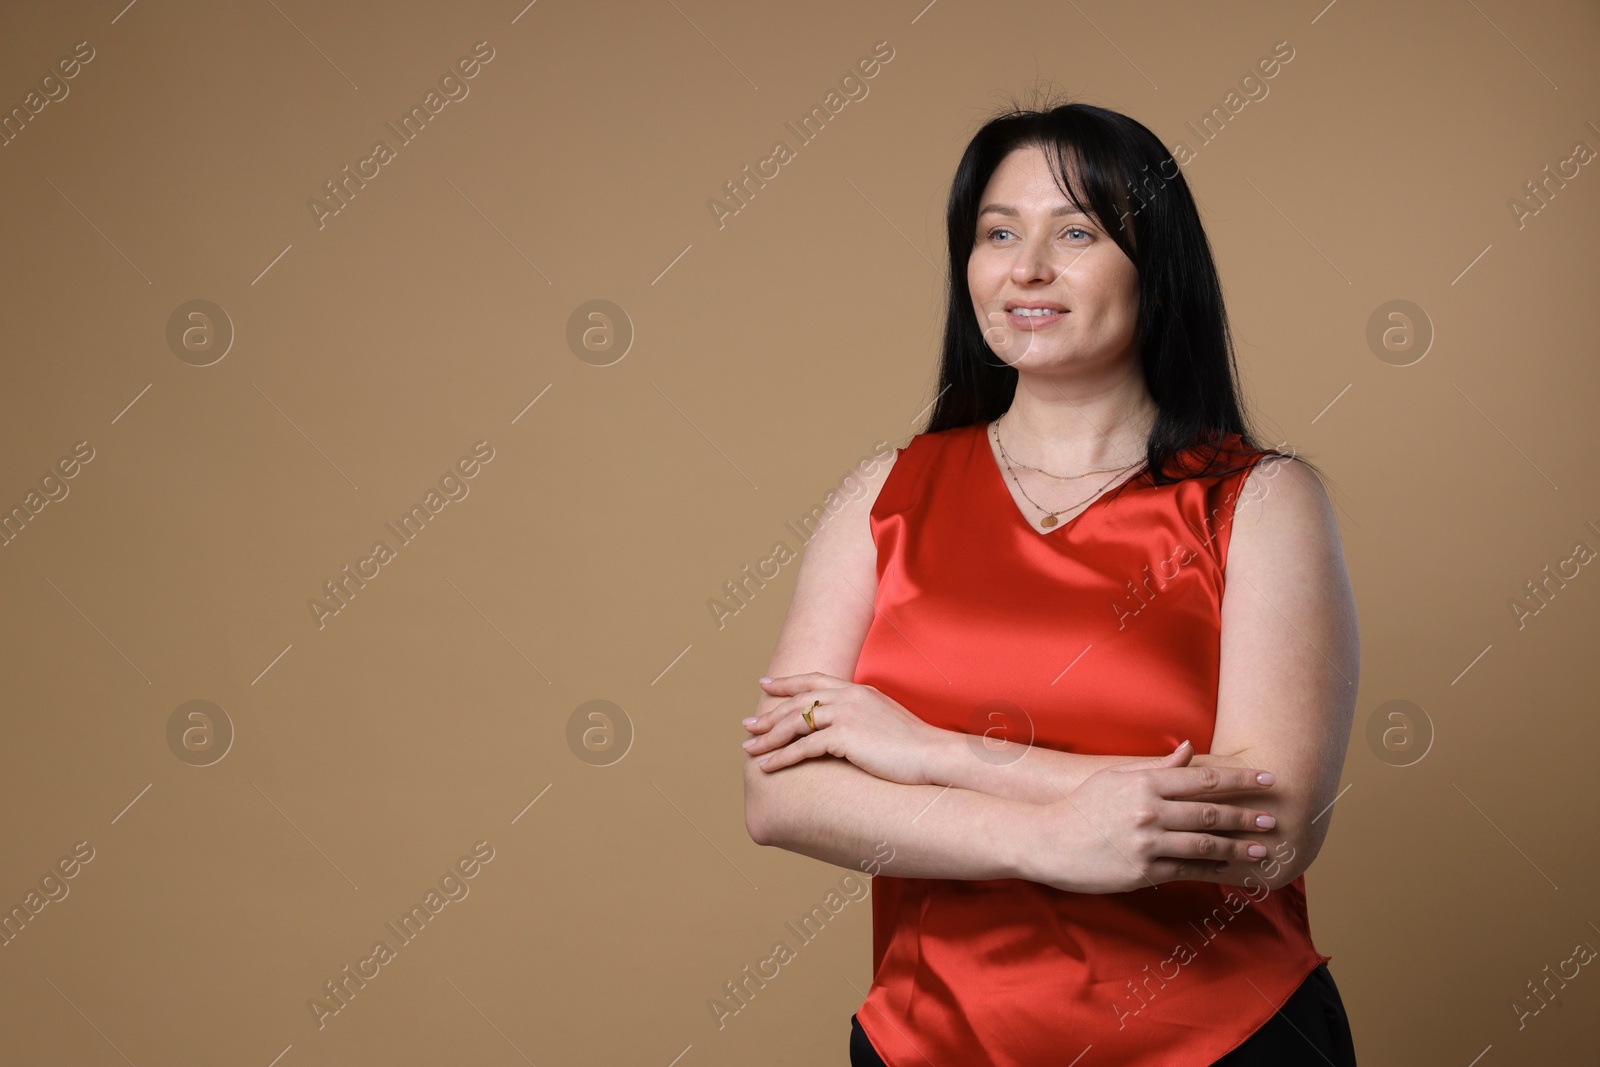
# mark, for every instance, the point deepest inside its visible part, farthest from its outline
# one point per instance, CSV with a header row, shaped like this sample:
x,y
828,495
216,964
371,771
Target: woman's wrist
x,y
1017,841
1035,845
940,760
968,761
1029,773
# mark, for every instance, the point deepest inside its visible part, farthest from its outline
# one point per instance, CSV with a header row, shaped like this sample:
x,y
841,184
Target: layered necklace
x,y
1050,517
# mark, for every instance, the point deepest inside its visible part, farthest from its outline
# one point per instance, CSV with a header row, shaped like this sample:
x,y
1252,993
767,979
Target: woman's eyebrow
x,y
1007,209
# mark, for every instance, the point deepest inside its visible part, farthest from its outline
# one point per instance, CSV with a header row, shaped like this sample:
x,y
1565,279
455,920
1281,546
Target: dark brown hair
x,y
1135,190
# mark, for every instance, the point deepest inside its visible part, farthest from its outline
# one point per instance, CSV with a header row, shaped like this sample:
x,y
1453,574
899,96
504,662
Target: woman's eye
x,y
1069,231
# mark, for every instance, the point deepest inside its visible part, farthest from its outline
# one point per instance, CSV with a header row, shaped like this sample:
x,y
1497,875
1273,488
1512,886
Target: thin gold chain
x,y
1051,514
1041,470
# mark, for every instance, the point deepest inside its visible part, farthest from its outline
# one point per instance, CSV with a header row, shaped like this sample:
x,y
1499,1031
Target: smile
x,y
1032,320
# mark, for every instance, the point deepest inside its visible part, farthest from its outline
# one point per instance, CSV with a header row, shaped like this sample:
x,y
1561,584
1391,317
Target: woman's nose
x,y
1033,263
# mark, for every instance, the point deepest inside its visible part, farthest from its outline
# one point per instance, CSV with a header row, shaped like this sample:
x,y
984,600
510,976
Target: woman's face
x,y
1034,249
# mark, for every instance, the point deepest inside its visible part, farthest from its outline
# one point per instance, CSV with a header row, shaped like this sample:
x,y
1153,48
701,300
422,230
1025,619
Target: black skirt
x,y
1312,1016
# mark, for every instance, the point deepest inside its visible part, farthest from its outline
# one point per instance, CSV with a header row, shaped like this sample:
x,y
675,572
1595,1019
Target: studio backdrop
x,y
412,417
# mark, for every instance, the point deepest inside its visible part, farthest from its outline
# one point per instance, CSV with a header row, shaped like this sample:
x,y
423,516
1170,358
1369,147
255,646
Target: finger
x,y
786,727
792,753
776,714
798,703
1179,870
1208,847
790,684
767,740
1193,781
1200,815
1178,757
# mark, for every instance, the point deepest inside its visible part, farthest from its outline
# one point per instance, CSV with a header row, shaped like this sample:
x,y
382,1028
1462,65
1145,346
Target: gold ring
x,y
806,715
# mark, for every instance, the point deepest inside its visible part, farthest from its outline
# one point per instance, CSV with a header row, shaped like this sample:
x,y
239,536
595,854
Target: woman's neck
x,y
1049,425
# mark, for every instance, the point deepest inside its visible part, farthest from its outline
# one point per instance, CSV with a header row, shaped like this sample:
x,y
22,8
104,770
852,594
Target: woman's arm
x,y
830,809
1290,662
1291,653
1286,692
1032,774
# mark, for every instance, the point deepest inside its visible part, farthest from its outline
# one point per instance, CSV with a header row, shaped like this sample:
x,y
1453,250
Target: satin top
x,y
1100,636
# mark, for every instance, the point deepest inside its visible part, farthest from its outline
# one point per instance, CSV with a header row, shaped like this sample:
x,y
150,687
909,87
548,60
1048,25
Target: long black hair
x,y
1135,190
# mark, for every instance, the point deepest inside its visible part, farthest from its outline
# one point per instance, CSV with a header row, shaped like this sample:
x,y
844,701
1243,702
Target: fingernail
x,y
1185,742
1266,822
764,762
1266,778
748,743
748,722
764,679
1257,851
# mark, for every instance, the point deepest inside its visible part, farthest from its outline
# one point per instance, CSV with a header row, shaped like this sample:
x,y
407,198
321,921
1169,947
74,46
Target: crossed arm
x,y
1288,676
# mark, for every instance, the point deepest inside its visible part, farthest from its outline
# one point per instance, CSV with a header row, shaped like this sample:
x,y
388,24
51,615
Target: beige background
x,y
767,357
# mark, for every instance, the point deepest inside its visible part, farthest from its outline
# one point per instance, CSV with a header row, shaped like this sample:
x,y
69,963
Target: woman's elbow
x,y
754,826
757,786
1288,858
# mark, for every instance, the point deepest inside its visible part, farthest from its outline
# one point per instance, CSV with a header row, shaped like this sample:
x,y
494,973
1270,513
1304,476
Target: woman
x,y
990,649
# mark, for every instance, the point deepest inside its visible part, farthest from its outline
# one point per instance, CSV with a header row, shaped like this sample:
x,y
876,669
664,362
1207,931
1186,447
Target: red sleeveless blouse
x,y
1100,636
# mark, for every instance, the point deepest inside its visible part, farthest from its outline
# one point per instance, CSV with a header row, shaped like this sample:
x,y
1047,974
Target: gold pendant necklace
x,y
1050,519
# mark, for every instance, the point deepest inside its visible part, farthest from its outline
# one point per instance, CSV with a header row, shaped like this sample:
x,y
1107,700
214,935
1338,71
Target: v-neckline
x,y
999,480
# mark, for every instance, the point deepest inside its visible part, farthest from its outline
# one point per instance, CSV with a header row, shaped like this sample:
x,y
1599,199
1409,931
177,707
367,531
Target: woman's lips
x,y
1034,322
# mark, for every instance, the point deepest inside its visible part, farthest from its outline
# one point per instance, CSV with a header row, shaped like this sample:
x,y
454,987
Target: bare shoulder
x,y
1285,563
851,500
1283,508
835,589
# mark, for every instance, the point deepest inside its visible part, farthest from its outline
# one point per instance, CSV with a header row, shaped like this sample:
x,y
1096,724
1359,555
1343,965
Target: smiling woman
x,y
1099,831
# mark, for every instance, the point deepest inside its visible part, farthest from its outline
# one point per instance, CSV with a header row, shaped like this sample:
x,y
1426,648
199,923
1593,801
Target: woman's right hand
x,y
1133,825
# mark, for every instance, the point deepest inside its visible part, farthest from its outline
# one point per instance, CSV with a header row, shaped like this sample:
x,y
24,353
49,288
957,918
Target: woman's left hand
x,y
854,722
